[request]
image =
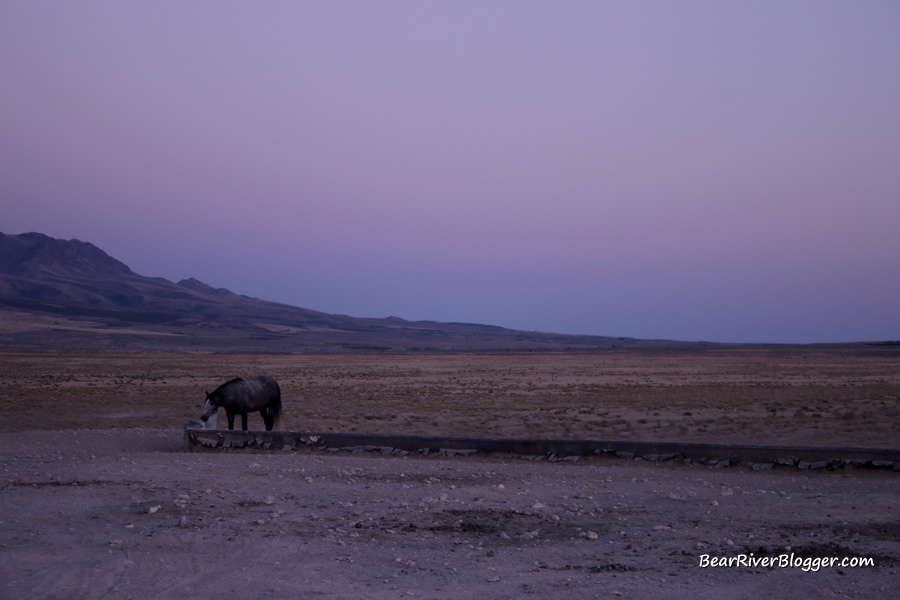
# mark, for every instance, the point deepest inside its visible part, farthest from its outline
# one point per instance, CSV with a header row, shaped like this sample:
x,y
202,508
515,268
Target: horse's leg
x,y
267,417
230,419
244,419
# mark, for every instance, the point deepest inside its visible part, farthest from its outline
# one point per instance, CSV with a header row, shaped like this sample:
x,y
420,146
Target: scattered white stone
x,y
661,528
591,535
269,500
153,509
538,505
714,503
493,579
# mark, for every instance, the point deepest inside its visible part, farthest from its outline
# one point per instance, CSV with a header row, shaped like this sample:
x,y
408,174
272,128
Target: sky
x,y
718,171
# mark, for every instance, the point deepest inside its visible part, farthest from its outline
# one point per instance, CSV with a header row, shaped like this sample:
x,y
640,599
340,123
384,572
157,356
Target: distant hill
x,y
71,294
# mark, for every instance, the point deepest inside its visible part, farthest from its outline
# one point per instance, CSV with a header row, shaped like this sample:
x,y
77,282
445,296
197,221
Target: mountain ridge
x,y
72,294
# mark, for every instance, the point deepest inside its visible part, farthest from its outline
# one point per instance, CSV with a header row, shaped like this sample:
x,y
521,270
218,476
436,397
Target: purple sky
x,y
723,171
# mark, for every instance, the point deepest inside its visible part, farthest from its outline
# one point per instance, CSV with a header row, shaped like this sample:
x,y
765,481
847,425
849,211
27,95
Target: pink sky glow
x,y
695,170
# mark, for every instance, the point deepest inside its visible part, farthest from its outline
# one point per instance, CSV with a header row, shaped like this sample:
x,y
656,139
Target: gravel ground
x,y
128,514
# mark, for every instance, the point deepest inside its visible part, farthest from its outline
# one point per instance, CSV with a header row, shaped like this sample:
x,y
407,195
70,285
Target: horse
x,y
239,396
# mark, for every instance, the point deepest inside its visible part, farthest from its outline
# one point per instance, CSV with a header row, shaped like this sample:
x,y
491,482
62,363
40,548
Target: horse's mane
x,y
228,383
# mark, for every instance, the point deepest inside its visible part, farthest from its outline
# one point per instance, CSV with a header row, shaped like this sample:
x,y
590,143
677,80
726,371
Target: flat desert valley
x,y
98,498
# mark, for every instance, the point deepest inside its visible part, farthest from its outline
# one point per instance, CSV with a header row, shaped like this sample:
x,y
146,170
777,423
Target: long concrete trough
x,y
755,457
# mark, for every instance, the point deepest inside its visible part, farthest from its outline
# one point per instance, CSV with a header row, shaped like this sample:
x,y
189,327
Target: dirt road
x,y
127,514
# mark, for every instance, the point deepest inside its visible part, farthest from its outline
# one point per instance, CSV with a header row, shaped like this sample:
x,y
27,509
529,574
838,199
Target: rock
x,y
153,509
456,452
659,457
269,500
591,535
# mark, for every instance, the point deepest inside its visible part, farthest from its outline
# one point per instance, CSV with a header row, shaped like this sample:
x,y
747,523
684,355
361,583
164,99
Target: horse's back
x,y
268,384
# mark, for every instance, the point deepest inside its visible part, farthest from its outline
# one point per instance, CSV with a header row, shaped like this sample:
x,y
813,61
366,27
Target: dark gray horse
x,y
241,397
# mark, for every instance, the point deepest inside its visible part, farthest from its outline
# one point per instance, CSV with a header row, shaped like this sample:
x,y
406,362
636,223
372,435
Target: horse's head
x,y
210,408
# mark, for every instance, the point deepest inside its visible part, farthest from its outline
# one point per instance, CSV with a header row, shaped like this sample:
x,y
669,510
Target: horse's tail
x,y
275,409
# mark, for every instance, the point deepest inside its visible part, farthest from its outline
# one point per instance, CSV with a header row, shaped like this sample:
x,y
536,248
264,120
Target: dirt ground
x,y
99,500
843,396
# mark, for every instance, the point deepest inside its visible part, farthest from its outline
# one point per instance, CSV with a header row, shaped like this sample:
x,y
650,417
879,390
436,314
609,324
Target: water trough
x,y
756,457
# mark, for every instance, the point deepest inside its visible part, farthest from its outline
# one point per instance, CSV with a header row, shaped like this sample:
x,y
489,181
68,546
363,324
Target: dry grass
x,y
804,396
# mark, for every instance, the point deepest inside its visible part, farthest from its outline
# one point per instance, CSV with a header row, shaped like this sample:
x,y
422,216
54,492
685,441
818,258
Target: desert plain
x,y
99,499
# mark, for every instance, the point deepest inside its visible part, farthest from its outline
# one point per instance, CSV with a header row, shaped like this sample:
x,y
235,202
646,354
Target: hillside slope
x,y
70,294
